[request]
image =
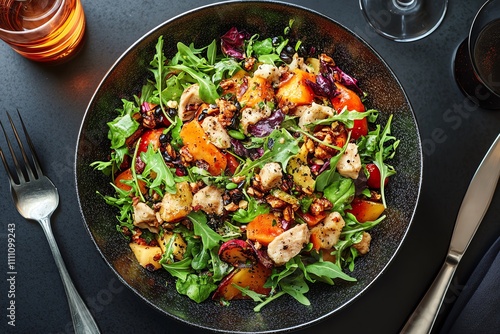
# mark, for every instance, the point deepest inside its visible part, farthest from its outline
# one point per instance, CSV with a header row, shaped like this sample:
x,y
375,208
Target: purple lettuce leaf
x,y
263,128
233,42
324,86
331,73
240,150
348,81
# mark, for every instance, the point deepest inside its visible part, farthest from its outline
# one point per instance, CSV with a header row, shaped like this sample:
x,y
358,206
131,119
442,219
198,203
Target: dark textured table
x,y
52,100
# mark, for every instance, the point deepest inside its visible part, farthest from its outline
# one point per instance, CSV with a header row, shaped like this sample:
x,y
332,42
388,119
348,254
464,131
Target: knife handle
x,y
424,316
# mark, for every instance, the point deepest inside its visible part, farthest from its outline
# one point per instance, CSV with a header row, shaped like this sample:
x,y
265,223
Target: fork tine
x,y
31,176
18,169
34,156
7,170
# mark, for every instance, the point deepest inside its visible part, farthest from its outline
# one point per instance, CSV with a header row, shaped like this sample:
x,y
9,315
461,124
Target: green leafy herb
x,y
120,129
346,117
330,175
340,193
253,210
284,147
378,147
209,237
327,271
156,169
179,269
196,287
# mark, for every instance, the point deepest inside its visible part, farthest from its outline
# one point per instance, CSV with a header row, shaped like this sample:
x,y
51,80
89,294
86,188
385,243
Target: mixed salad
x,y
248,169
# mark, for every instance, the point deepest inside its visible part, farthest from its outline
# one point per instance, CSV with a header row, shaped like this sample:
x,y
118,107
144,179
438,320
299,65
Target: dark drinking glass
x,y
477,60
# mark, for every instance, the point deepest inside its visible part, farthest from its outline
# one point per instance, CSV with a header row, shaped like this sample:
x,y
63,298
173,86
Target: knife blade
x,y
472,210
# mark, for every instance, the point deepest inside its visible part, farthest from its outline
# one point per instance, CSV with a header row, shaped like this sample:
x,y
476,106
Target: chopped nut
x,y
186,156
255,193
275,202
231,207
306,191
249,62
170,150
319,205
238,179
172,104
288,214
226,112
196,186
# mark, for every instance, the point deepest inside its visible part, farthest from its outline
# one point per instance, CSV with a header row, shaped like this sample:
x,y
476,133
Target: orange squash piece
x,y
316,241
252,278
198,145
365,210
125,176
264,228
259,90
295,90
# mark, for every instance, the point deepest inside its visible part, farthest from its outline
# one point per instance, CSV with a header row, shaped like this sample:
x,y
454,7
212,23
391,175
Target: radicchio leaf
x,y
331,72
233,42
360,183
348,81
263,128
241,150
324,86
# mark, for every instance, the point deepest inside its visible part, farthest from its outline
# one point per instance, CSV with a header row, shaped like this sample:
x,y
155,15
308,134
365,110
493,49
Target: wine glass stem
x,y
404,4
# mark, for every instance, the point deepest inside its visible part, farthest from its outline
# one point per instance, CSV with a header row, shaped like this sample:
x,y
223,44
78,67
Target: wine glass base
x,y
469,83
404,21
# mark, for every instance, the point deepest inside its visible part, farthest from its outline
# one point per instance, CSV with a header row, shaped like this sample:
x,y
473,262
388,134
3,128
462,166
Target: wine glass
x,y
404,20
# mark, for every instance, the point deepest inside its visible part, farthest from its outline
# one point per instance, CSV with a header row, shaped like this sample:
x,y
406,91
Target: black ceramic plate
x,y
269,19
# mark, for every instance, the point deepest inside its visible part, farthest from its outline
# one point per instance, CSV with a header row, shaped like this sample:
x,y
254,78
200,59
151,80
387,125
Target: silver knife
x,y
474,206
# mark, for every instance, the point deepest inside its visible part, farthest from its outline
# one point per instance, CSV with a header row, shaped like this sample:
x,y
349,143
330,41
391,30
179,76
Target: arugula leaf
x,y
378,147
208,90
179,269
212,52
330,175
263,47
219,268
156,169
200,259
209,237
296,287
328,271
225,68
345,116
254,209
351,233
284,147
158,68
256,297
340,193
383,154
123,201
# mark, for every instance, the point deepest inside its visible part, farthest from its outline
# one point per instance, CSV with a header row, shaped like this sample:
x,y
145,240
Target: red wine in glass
x,y
487,56
477,60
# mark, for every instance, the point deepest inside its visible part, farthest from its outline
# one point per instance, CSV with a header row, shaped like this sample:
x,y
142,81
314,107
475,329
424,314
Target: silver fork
x,y
36,198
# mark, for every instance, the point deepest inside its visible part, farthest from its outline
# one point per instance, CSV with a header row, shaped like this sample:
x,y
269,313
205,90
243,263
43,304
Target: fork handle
x,y
83,322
